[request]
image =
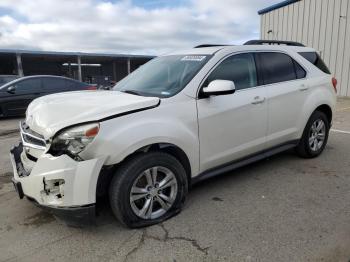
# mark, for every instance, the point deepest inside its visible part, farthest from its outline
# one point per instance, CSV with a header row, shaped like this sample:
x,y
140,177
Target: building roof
x,y
276,6
38,52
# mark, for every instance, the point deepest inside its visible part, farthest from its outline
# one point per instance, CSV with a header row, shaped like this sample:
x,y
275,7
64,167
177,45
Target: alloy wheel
x,y
153,192
317,135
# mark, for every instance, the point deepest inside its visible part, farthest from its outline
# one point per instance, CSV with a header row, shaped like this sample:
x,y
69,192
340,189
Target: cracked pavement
x,y
155,233
280,209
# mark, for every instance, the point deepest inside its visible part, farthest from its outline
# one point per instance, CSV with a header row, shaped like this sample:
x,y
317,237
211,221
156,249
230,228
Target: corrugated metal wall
x,y
321,24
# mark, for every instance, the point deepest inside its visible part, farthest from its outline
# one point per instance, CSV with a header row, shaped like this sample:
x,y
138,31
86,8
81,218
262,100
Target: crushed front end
x,y
62,185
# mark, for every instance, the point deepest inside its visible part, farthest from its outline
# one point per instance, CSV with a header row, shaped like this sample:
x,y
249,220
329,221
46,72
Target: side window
x,y
28,86
300,72
238,68
53,84
315,59
278,67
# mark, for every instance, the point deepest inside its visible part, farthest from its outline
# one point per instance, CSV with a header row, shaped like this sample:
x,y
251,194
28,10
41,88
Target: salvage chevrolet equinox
x,y
176,120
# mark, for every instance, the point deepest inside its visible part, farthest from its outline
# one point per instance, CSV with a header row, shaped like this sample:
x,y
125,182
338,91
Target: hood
x,y
49,114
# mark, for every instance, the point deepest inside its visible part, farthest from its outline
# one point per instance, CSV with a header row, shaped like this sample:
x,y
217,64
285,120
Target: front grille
x,y
31,138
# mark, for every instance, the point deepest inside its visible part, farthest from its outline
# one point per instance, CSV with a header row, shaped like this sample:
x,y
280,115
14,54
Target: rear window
x,y
75,85
81,85
70,85
315,59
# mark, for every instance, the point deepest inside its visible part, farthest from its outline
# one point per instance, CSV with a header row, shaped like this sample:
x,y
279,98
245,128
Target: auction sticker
x,y
198,58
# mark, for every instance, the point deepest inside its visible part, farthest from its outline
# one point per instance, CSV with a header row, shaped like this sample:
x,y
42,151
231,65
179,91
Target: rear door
x,y
17,101
232,126
287,90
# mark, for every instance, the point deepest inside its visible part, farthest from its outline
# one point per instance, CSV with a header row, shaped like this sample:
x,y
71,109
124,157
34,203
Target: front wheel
x,y
315,136
148,189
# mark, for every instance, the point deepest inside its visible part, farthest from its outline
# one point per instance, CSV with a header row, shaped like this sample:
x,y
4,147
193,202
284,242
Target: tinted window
x,y
53,84
6,79
277,67
300,72
75,85
71,85
81,85
238,68
28,86
315,59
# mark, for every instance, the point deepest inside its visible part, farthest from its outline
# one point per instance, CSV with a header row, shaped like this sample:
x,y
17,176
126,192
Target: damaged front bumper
x,y
72,216
60,185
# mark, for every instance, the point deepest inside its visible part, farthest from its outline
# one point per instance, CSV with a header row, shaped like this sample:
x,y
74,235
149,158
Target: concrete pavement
x,y
280,209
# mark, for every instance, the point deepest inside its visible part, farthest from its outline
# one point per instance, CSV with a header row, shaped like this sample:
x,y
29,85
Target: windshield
x,y
163,76
6,79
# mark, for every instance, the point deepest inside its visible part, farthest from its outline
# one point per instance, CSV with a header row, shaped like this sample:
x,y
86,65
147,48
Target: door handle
x,y
303,87
258,100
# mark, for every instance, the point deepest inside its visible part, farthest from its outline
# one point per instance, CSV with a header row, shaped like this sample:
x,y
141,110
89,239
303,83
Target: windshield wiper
x,y
132,92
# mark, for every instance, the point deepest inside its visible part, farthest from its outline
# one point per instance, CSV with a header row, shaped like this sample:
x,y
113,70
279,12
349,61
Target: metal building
x,y
99,69
321,24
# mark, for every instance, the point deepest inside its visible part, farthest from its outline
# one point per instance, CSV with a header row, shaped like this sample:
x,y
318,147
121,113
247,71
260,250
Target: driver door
x,y
232,126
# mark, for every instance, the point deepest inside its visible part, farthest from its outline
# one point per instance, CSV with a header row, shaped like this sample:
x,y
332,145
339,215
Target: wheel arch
x,y
173,150
326,109
107,172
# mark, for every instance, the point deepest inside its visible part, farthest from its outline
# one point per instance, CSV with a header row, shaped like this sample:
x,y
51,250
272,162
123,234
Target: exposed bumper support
x,y
64,187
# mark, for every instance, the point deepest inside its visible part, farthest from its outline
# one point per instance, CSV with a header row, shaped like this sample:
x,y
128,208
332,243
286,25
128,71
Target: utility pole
x,y
19,65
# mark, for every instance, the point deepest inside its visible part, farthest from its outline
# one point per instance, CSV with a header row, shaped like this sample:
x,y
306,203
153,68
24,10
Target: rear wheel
x,y
147,189
315,136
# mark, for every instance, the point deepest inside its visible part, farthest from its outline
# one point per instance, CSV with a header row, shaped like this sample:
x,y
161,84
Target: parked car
x,y
177,120
7,78
16,95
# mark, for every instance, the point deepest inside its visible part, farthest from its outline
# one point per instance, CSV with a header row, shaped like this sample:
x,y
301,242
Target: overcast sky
x,y
126,26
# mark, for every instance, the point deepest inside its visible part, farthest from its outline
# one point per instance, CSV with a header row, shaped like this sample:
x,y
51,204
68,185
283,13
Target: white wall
x,y
321,24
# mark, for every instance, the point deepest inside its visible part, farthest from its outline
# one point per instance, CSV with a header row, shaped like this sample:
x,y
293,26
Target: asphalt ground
x,y
280,209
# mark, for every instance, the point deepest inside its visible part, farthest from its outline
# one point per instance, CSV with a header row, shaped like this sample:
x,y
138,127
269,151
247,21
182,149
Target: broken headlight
x,y
74,140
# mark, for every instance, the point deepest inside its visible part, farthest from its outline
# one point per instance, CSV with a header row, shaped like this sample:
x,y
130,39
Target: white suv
x,y
177,120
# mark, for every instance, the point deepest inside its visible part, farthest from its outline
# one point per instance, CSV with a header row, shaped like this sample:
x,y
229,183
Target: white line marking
x,y
342,109
340,131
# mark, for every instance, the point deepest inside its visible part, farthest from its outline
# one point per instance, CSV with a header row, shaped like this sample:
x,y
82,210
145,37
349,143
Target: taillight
x,y
334,83
91,88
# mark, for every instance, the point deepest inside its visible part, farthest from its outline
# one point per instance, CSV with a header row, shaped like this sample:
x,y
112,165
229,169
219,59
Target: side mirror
x,y
11,89
219,87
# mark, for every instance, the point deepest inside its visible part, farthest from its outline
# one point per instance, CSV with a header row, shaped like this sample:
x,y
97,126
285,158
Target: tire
x,y
306,148
134,180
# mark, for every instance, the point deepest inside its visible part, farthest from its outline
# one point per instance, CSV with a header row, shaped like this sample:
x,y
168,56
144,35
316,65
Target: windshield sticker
x,y
197,58
165,93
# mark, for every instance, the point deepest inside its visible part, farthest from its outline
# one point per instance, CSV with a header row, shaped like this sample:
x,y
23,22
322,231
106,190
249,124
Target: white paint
x,y
49,114
210,131
340,131
321,24
343,109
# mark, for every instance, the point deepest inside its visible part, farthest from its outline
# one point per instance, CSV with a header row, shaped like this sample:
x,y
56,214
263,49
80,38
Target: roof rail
x,y
208,45
273,42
